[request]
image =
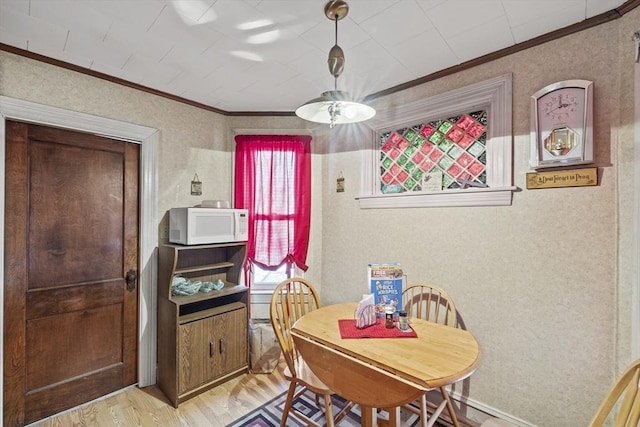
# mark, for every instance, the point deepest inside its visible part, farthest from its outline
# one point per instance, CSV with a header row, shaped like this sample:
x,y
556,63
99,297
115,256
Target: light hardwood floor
x,y
149,407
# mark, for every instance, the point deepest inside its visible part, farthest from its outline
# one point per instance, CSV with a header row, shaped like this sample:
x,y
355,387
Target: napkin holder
x,y
365,313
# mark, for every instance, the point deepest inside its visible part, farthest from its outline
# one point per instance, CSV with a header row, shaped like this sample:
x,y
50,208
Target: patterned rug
x,y
269,414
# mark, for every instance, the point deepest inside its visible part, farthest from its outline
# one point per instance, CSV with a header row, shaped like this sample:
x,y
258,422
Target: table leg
x,y
369,417
394,416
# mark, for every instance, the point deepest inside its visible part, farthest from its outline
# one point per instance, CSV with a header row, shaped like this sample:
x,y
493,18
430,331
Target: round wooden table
x,y
383,372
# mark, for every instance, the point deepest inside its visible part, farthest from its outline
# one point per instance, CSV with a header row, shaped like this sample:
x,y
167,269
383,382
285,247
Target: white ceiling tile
x,y
42,37
546,22
13,26
143,69
596,7
203,98
297,16
456,17
73,15
231,14
436,54
135,39
140,13
45,38
372,56
361,10
105,67
395,25
95,49
188,83
186,61
194,38
536,12
493,36
323,35
12,39
312,68
288,49
17,6
192,12
427,5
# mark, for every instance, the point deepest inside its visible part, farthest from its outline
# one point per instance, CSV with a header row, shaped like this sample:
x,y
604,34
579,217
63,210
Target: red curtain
x,y
273,181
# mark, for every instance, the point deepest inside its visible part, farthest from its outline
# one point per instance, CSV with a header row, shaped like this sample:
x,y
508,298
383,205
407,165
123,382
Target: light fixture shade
x,y
335,107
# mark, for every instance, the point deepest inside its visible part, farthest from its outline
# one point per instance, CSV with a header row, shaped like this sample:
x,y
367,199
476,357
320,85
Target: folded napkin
x,y
365,314
348,329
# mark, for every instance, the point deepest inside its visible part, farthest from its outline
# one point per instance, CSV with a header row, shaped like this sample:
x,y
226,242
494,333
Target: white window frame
x,y
260,287
492,95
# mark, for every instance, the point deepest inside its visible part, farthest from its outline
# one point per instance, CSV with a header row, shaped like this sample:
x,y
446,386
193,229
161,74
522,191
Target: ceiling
x,y
271,55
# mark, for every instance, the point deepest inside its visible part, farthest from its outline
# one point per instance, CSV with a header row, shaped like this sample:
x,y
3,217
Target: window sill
x,y
262,290
500,196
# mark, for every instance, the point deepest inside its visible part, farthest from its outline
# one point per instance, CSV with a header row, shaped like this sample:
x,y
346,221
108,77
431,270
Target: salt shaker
x,y
403,321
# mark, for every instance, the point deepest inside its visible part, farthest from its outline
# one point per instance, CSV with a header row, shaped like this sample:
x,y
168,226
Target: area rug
x,y
269,414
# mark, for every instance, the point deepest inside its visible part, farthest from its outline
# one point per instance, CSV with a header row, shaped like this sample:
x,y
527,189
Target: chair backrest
x,y
629,405
429,302
292,299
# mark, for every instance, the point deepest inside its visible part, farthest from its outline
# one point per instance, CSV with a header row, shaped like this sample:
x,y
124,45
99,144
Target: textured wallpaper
x,y
545,284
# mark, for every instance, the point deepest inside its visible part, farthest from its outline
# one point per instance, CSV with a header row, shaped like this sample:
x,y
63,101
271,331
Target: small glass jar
x,y
388,316
403,321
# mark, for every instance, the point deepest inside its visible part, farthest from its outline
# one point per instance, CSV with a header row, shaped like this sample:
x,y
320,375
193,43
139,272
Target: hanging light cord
x,y
335,77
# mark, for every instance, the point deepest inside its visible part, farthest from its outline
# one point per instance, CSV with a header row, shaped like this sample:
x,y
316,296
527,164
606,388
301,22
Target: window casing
x,y
492,96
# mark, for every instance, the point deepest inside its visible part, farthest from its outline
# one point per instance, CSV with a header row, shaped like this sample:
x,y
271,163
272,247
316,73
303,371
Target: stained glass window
x,y
449,149
440,154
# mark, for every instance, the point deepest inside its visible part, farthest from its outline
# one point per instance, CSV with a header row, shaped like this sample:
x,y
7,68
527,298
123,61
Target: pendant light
x,y
335,106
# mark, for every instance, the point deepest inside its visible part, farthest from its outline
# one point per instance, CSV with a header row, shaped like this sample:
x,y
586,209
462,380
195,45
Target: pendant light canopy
x,y
335,106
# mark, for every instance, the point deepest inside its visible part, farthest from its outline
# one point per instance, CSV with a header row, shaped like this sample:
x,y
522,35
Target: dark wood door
x,y
71,236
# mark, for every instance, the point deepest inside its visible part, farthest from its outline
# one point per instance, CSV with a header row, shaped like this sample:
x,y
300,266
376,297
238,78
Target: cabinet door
x,y
231,341
196,354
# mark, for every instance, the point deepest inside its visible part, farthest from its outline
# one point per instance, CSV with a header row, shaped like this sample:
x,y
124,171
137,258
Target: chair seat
x,y
306,376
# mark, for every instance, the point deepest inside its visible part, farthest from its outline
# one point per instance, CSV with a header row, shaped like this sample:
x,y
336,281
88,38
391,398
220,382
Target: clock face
x,y
562,108
560,114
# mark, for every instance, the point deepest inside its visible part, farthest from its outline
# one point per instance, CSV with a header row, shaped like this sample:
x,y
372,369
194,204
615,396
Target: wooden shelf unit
x,y
202,338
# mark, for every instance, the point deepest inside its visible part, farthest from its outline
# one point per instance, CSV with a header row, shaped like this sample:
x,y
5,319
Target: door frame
x,y
147,137
635,285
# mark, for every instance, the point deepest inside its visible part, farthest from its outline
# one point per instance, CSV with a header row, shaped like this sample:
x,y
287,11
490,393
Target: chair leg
x,y
328,412
287,405
344,412
424,419
452,412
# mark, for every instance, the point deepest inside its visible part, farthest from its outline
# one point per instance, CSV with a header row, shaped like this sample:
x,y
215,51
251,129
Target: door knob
x,y
131,280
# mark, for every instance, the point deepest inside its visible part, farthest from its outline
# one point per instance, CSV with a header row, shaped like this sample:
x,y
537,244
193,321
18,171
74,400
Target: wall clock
x,y
562,124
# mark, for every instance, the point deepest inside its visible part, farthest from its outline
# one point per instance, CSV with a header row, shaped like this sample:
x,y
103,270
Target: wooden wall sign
x,y
566,178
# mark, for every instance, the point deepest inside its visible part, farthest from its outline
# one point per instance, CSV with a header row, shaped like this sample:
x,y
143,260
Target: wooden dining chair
x,y
429,302
625,396
292,299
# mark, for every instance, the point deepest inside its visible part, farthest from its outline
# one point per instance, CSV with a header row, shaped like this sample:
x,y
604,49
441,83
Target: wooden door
x,y
196,354
231,341
71,236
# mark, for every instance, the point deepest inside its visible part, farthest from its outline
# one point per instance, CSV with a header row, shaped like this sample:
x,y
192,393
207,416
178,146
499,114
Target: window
x,y
462,138
273,182
441,154
267,280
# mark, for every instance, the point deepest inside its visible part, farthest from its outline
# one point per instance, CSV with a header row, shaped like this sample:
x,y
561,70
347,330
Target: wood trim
x,y
148,138
123,82
580,26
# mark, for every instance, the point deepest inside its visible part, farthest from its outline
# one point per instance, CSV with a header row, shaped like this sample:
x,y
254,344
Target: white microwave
x,y
200,226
